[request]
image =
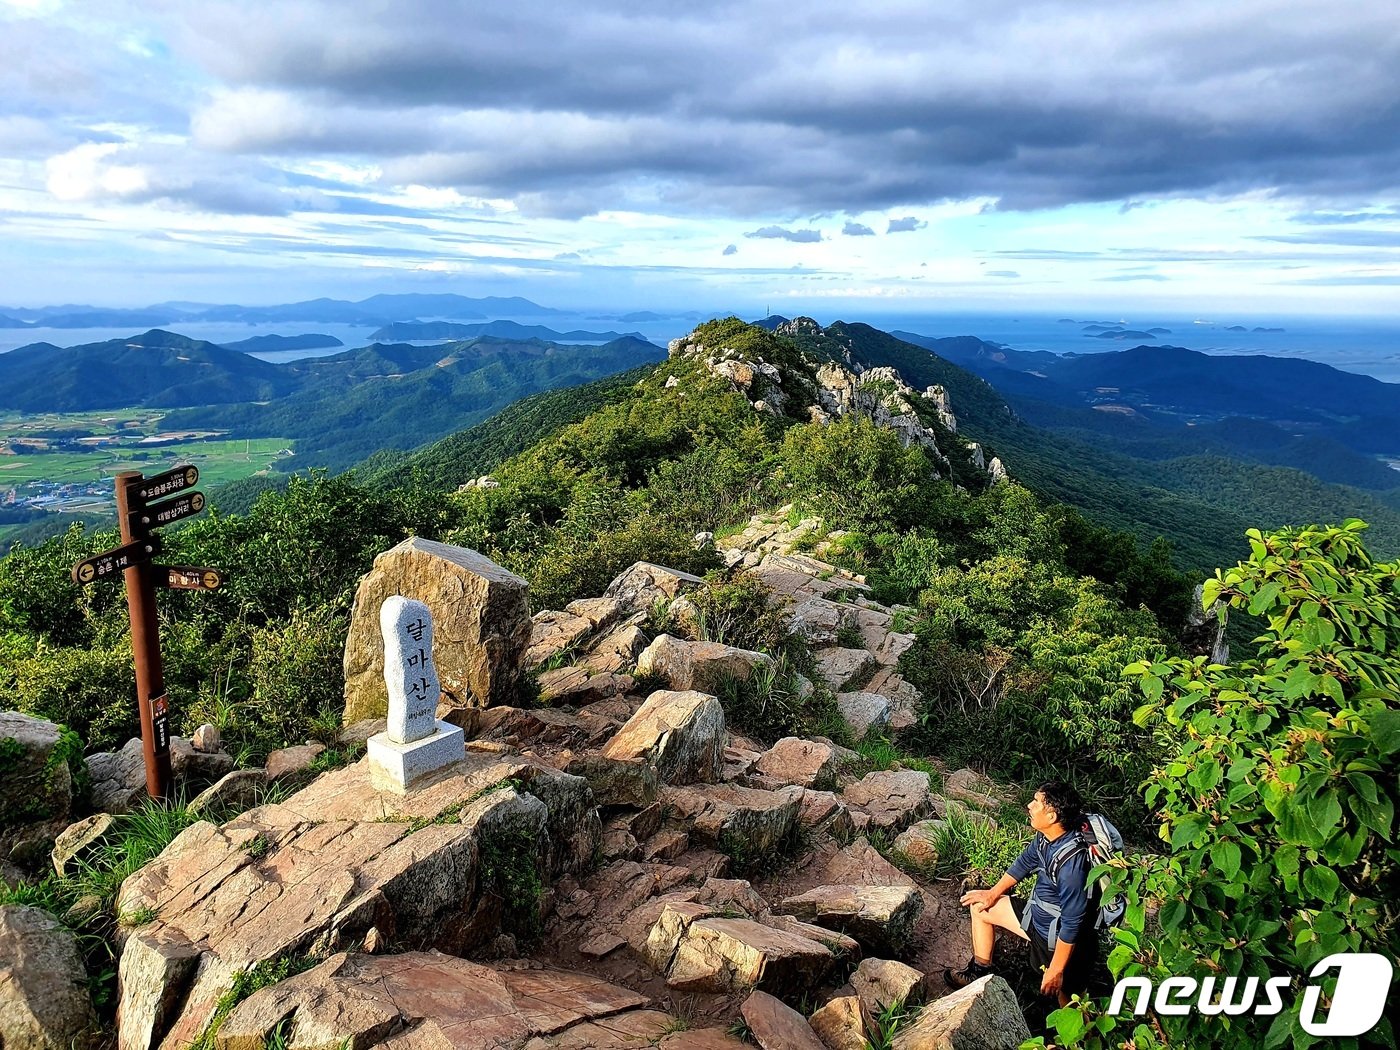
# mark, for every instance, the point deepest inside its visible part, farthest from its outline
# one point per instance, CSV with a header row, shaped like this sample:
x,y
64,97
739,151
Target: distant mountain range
x,y
412,330
338,409
377,310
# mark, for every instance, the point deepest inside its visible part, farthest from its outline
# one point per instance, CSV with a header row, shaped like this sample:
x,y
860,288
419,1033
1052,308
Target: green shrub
x,y
1276,793
856,474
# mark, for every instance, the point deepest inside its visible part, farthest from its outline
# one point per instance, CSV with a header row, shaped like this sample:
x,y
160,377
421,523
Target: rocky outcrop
x,y
44,1002
776,1026
36,790
880,983
984,1015
840,1024
481,626
119,777
891,799
746,822
80,842
792,760
699,950
881,918
680,733
640,586
427,1000
704,666
329,864
918,844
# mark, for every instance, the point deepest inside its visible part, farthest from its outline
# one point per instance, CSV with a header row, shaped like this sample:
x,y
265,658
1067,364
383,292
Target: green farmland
x,y
63,459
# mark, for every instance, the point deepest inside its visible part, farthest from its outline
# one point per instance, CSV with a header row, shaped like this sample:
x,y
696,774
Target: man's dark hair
x,y
1067,803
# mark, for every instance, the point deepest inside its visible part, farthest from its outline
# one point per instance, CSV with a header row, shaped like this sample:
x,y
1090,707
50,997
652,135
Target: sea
x,y
1365,345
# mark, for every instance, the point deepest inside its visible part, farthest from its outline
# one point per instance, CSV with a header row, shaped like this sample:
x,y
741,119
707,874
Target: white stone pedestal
x,y
397,765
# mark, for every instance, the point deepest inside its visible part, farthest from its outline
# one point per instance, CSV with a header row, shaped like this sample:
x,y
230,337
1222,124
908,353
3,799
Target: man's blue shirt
x,y
1069,892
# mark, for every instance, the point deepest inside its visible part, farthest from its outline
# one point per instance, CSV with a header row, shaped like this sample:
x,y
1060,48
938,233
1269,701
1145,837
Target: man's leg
x,y
986,921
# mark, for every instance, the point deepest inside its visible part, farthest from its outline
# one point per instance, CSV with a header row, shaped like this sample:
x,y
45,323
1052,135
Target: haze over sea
x,y
1367,345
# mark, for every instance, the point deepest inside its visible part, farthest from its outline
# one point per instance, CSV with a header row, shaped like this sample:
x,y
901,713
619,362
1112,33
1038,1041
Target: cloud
x,y
908,224
1002,273
1136,277
784,234
730,249
914,106
857,229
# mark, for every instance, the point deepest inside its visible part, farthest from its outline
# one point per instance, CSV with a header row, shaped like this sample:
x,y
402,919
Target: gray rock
x,y
704,666
863,711
982,1015
637,587
36,792
234,792
481,621
45,1004
80,842
680,733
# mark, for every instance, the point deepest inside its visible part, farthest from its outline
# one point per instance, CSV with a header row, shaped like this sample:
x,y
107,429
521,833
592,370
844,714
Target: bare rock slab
x,y
777,1026
881,982
367,998
982,1015
806,763
699,951
879,917
747,821
44,1003
481,617
891,799
840,1024
680,733
705,666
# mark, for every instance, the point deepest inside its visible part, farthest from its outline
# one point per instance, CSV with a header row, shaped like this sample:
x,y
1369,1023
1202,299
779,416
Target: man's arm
x,y
1054,978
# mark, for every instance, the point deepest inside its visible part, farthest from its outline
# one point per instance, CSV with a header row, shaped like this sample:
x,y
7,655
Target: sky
x,y
904,155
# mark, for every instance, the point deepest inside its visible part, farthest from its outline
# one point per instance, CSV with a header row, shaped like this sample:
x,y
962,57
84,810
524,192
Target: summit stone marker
x,y
414,742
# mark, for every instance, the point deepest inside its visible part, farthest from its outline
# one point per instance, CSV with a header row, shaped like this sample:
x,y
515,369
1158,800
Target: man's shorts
x,y
1083,965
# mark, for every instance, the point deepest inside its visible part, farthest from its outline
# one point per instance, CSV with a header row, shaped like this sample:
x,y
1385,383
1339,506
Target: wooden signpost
x,y
137,515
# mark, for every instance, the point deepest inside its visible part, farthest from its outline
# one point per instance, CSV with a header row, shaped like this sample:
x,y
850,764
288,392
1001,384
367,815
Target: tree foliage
x,y
1276,792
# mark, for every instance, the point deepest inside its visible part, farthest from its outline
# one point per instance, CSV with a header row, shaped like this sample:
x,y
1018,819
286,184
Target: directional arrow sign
x,y
172,481
189,577
171,510
107,564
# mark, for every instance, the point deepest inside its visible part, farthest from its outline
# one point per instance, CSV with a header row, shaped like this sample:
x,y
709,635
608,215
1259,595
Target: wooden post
x,y
145,647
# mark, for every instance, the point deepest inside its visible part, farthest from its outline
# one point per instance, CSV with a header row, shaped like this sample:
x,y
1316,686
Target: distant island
x,y
268,343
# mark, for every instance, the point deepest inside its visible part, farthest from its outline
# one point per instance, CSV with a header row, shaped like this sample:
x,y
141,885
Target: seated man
x,y
1059,918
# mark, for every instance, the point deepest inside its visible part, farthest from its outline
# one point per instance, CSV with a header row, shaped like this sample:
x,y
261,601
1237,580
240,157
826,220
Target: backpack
x,y
1103,842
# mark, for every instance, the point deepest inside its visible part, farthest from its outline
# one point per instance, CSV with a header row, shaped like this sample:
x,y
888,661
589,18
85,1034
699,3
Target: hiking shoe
x,y
969,973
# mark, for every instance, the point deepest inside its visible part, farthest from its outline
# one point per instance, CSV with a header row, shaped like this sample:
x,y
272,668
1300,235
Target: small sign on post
x,y
136,516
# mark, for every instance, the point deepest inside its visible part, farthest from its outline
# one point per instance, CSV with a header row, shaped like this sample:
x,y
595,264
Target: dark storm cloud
x,y
782,233
748,110
857,229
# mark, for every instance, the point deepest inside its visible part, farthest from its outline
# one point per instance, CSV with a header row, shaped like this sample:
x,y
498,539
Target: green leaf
x,y
1187,829
1321,882
1172,914
1325,811
1118,958
1363,786
1069,1024
1385,731
1225,856
1379,817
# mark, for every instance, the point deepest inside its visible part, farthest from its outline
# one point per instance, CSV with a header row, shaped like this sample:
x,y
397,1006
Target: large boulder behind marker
x,y
36,788
481,625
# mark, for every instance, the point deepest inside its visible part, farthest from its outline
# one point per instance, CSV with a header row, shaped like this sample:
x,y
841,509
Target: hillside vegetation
x,y
1037,633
